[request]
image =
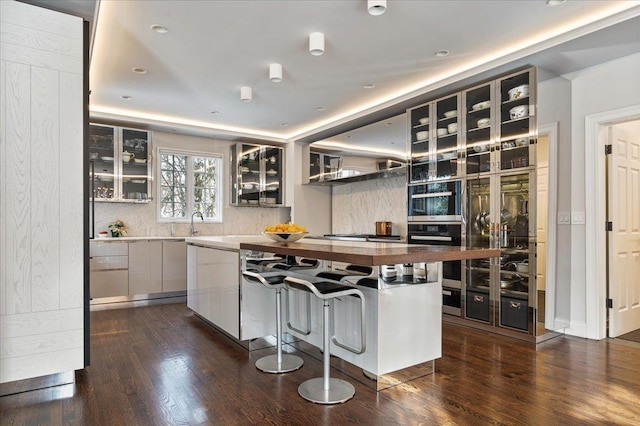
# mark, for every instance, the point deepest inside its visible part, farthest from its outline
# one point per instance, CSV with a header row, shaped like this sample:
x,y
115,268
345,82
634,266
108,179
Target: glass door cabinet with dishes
x,y
119,164
257,175
435,140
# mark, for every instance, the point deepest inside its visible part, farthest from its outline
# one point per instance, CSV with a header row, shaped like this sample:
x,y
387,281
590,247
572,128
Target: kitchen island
x,y
403,317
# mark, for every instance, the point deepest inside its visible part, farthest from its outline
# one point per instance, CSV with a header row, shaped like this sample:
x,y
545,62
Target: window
x,y
189,182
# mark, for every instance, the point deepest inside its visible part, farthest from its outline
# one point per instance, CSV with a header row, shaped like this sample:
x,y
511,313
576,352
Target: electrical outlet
x,y
564,218
577,218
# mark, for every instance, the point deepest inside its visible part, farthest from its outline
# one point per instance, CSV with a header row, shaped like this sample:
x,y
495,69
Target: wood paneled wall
x,y
41,192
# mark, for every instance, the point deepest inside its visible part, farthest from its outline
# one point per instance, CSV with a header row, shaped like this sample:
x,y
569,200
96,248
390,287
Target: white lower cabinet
x,y
213,286
134,268
109,264
174,266
145,267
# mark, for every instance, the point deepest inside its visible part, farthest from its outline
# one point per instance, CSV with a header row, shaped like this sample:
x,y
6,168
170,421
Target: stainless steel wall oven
x,y
435,201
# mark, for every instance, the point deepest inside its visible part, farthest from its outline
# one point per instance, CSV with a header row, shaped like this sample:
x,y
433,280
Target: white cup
x,y
422,135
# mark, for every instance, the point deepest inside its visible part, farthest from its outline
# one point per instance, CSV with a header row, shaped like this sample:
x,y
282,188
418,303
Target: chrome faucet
x,y
193,228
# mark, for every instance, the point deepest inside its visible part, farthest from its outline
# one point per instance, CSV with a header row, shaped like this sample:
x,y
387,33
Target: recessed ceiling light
x,y
368,86
139,70
320,109
388,123
442,53
214,112
159,29
284,124
348,136
127,97
555,2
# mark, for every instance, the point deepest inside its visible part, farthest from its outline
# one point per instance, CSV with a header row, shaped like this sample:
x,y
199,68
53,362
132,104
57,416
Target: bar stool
x,y
278,363
350,271
292,264
327,390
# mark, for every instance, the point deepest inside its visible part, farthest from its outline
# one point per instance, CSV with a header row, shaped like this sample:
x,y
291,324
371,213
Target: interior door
x,y
624,241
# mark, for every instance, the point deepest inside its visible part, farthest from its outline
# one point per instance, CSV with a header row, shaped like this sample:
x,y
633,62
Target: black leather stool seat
x,y
368,282
323,287
349,272
272,280
304,263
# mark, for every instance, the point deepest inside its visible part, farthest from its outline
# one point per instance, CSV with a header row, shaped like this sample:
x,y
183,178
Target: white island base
x,y
403,327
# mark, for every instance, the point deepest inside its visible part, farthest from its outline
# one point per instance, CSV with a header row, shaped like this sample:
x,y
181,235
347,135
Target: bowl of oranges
x,y
284,232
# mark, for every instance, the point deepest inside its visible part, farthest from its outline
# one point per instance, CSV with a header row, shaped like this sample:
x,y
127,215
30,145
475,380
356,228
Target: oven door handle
x,y
427,238
433,194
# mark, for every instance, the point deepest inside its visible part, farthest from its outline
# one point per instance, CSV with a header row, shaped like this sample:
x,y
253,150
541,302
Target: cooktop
x,y
363,237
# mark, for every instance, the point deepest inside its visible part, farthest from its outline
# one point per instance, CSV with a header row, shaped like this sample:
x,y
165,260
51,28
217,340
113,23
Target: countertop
x,y
133,239
361,253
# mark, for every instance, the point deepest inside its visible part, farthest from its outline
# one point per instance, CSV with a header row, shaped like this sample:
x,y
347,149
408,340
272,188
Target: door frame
x,y
596,237
551,131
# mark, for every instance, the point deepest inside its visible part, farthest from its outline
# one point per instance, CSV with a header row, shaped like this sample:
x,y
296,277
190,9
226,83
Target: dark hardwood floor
x,y
161,365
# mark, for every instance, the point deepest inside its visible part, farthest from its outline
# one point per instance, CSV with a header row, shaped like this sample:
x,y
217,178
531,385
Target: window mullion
x,y
190,186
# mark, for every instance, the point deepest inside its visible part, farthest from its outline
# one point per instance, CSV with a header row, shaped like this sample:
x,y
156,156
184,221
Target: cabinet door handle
x,y
479,299
514,305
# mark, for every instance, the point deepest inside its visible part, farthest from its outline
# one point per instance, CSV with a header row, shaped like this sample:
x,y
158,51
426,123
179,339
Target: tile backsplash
x,y
356,206
142,220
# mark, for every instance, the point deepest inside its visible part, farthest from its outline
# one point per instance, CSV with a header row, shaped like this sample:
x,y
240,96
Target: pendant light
x,y
275,72
376,7
246,94
316,44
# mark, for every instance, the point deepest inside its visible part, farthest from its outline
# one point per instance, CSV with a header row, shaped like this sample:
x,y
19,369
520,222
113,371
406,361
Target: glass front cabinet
x,y
257,175
435,140
324,167
120,164
486,136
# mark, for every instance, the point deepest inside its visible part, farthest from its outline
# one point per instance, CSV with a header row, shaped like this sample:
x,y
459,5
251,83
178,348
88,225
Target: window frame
x,y
189,178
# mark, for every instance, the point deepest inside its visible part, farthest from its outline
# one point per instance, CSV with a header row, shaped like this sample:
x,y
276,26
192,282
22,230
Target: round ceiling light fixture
x,y
159,29
376,7
214,112
555,2
138,70
126,97
275,72
441,53
368,86
316,43
246,94
320,108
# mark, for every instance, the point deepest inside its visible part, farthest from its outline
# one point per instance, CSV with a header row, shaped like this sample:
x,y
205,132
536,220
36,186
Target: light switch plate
x,y
577,218
564,218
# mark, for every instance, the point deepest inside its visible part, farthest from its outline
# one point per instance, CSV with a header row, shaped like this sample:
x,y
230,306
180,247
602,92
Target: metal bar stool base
x,y
339,391
269,363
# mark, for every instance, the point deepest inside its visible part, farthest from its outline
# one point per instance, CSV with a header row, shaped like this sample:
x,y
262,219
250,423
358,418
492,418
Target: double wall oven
x,y
435,218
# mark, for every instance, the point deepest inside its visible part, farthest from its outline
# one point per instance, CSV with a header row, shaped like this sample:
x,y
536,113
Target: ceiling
x,y
212,48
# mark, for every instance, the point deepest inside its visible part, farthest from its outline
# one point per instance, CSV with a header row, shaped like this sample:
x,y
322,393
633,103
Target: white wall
x,y
598,89
142,218
554,105
41,192
311,203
